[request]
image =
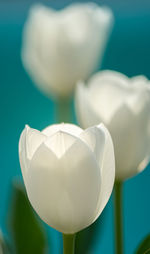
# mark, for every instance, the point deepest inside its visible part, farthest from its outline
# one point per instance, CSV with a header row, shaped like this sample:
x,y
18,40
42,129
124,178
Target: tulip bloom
x,y
123,105
62,47
68,173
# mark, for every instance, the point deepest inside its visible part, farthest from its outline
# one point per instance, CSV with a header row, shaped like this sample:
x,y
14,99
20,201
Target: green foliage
x,y
26,230
144,247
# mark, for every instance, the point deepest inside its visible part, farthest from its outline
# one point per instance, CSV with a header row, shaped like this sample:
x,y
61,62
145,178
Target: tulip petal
x,y
100,142
139,101
95,139
64,190
59,143
126,131
107,91
108,76
84,110
108,172
30,140
69,128
33,140
139,81
24,162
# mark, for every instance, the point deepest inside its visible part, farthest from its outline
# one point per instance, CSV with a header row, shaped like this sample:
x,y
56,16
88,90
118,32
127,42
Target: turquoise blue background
x,y
21,103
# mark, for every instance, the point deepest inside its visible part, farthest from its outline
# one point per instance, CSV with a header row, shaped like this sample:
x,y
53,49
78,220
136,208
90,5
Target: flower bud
x,y
68,173
123,105
62,47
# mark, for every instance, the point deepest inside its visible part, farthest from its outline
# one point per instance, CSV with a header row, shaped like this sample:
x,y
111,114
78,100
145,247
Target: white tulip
x,y
62,47
68,173
123,105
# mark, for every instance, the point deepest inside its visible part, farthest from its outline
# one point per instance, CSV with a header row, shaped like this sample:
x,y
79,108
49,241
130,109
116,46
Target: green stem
x,y
118,217
63,110
68,244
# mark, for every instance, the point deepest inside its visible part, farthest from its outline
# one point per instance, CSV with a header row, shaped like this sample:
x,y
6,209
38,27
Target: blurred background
x,y
128,51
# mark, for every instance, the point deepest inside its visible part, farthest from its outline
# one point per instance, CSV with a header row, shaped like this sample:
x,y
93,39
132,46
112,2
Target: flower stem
x,y
63,110
118,217
68,244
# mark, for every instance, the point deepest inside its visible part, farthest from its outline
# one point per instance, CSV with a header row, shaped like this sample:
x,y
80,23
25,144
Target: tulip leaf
x,y
26,230
86,238
144,247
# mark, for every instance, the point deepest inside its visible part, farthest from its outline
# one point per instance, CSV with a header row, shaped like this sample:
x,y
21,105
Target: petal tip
x,y
27,127
102,127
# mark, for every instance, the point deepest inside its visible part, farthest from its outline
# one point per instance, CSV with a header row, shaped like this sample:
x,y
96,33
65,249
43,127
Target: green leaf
x,y
144,247
26,230
86,238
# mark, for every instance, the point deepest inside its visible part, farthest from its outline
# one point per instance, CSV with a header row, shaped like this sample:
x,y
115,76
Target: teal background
x,y
21,103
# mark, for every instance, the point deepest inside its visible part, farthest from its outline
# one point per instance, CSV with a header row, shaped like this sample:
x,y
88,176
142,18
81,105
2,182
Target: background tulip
x,y
61,47
68,173
123,105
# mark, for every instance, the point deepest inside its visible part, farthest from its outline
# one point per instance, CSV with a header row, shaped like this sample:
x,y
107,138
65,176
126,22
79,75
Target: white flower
x,y
123,105
62,47
68,173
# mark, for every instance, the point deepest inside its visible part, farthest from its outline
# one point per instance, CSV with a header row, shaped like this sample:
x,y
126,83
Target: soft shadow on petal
x,y
108,171
83,182
34,138
60,142
100,142
131,140
95,139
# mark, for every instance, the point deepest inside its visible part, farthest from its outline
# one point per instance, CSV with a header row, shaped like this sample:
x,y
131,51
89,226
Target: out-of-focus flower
x,y
62,47
68,173
123,105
